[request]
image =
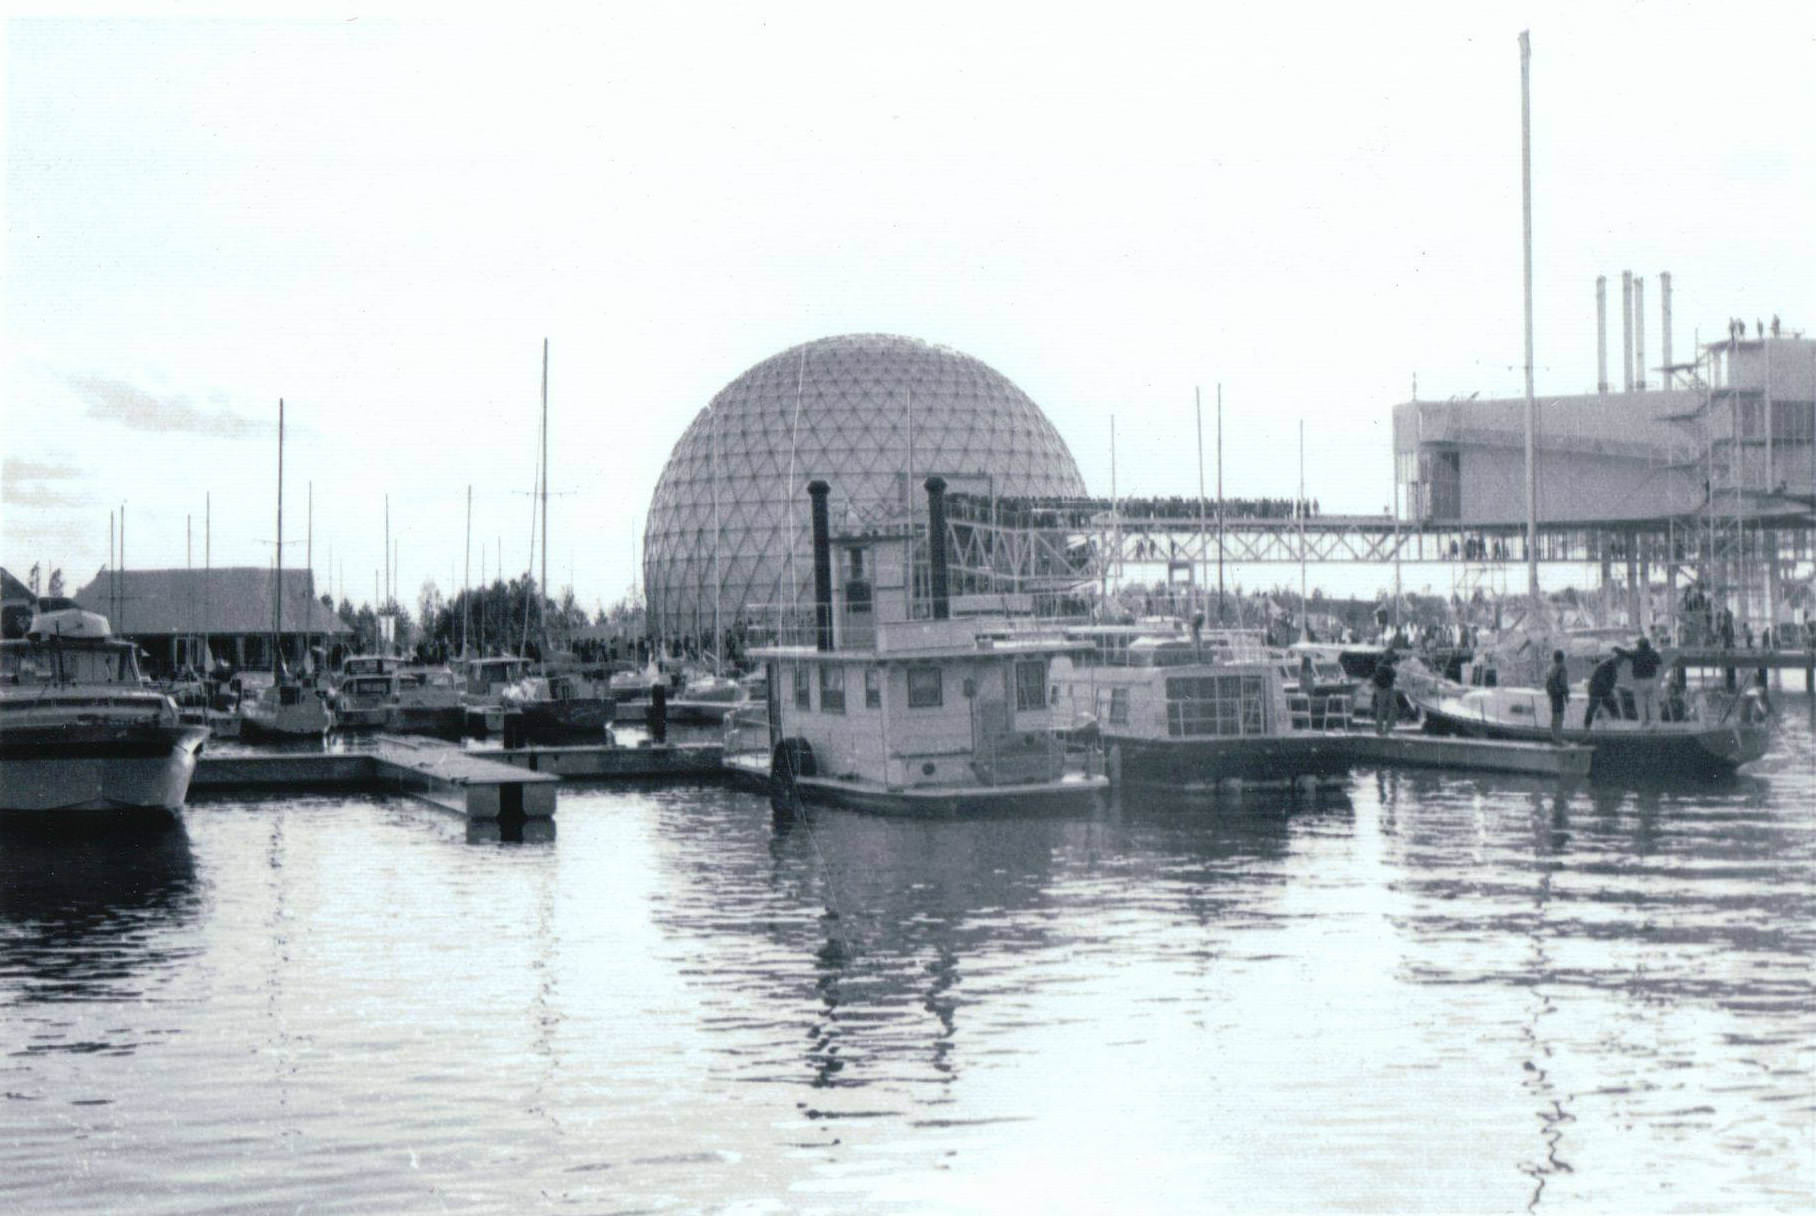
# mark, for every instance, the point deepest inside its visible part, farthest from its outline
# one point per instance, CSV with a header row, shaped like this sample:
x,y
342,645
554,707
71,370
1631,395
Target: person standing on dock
x,y
1601,689
1557,687
1387,700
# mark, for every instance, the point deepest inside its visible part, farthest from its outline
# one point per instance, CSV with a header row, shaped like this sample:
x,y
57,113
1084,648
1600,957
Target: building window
x,y
803,682
1119,707
873,688
924,690
1030,684
832,689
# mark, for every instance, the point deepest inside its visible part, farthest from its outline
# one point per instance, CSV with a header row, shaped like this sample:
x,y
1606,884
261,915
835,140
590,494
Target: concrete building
x,y
186,618
1709,479
1702,444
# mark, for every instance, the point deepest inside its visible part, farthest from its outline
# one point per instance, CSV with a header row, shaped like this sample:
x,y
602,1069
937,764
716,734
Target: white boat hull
x,y
150,770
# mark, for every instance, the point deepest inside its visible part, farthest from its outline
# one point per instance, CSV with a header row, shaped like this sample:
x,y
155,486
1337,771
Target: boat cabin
x,y
485,678
71,646
880,696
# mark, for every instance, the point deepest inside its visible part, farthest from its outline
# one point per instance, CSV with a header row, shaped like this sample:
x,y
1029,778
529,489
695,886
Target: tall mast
x,y
1532,477
1198,415
1220,503
543,588
1305,604
277,605
309,560
718,578
466,594
207,573
384,606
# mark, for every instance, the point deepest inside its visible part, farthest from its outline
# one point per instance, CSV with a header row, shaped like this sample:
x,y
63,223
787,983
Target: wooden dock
x,y
473,786
1420,750
486,783
629,763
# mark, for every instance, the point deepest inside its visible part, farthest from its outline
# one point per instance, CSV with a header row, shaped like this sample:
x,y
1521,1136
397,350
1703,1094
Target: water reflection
x,y
82,914
891,935
525,830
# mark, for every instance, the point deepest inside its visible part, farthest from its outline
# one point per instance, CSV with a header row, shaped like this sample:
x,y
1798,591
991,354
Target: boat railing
x,y
745,731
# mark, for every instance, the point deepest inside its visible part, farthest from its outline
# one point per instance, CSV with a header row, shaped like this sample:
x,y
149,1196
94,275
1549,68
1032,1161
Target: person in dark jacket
x,y
1387,700
1557,687
1645,662
1601,690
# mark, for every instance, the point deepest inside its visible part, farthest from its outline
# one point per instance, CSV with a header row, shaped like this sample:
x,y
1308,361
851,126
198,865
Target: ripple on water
x,y
1467,993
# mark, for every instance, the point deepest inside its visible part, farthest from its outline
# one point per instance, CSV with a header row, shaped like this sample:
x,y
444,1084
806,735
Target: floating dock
x,y
630,763
487,783
1480,755
450,778
522,783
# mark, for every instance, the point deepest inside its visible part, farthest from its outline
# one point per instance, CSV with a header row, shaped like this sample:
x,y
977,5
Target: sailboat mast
x,y
1305,606
1532,478
1220,503
1198,566
543,588
718,580
309,560
384,607
466,596
277,604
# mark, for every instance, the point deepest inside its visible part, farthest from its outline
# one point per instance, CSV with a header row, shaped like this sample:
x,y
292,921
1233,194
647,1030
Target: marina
x,y
858,614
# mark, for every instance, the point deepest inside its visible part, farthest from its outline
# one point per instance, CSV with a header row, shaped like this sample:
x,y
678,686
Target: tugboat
x,y
897,716
79,731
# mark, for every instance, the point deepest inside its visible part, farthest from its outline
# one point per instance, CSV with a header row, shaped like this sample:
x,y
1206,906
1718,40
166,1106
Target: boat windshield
x,y
41,663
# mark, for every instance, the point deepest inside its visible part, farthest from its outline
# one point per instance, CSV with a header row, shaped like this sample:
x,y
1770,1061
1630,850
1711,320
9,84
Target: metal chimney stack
x,y
822,566
1601,333
936,547
1627,330
1639,332
1664,306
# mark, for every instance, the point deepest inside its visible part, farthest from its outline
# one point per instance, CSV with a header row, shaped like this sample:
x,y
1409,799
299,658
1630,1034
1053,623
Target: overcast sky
x,y
380,219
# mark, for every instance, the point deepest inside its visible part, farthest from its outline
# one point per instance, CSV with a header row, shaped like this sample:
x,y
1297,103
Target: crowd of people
x,y
1027,512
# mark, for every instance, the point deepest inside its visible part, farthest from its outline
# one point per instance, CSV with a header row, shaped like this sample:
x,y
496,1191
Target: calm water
x,y
1424,992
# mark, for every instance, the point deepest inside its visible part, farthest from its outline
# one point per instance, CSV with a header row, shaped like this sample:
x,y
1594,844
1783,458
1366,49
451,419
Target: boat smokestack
x,y
1664,337
1639,332
1627,330
936,547
822,566
1601,333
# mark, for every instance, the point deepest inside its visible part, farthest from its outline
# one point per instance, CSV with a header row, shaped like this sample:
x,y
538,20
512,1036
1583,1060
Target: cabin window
x,y
1216,705
873,688
924,691
832,689
803,684
1030,684
1119,707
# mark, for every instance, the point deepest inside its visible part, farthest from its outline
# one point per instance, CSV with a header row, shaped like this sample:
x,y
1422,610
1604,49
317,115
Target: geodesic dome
x,y
840,409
